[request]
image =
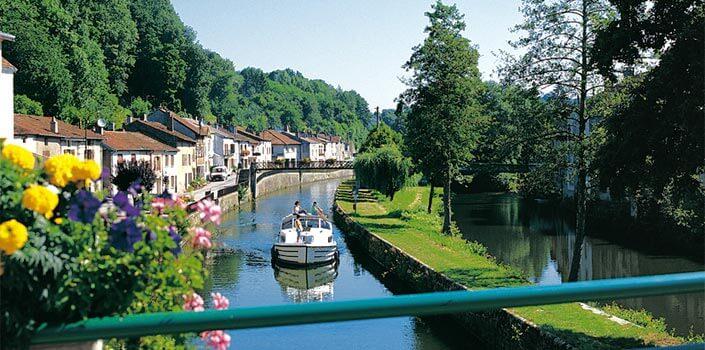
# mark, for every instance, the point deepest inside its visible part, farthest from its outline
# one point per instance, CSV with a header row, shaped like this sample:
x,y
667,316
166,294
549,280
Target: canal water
x,y
247,278
535,238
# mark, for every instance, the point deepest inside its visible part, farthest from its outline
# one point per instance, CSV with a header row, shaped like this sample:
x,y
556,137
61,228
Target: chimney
x,y
101,130
112,126
54,124
287,129
144,117
171,123
129,120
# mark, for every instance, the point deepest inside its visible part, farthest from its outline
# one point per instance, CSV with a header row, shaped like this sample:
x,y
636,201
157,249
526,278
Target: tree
x,y
559,36
380,136
443,97
654,146
25,105
131,173
384,169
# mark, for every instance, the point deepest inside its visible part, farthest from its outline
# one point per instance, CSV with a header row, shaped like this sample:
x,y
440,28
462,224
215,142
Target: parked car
x,y
220,173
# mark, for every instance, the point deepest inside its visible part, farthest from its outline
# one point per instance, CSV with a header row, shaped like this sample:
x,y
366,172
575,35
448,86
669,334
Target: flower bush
x,y
69,254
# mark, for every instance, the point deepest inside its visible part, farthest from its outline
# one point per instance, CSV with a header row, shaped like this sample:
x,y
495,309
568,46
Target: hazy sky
x,y
354,44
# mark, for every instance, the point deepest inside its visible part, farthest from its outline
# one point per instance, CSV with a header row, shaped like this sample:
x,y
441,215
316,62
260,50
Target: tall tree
x,y
558,39
443,97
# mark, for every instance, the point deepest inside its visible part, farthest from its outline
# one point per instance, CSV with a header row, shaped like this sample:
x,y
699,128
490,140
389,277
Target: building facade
x,y
7,94
284,147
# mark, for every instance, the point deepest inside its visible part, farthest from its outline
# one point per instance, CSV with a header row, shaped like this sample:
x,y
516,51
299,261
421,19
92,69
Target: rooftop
x,y
41,126
278,138
7,64
189,123
134,141
164,129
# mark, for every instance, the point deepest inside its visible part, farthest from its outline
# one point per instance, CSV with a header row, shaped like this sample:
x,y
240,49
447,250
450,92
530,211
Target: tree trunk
x,y
430,198
581,186
446,203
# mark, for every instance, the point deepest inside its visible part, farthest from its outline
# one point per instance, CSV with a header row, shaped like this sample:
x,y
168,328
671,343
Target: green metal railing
x,y
404,305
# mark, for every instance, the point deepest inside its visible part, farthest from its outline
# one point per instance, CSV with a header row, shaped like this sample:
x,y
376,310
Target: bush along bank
x,y
405,240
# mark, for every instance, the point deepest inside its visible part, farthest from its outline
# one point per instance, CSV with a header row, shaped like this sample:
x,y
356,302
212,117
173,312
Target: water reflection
x,y
535,238
307,284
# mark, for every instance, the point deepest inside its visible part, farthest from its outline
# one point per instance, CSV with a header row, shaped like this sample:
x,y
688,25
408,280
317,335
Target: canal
x,y
535,238
247,278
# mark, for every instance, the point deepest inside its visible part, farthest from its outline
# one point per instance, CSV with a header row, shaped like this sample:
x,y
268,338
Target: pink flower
x,y
217,340
193,302
201,238
209,211
219,301
159,204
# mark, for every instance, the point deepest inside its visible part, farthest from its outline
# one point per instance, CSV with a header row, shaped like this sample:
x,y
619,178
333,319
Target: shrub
x,y
135,172
331,161
64,262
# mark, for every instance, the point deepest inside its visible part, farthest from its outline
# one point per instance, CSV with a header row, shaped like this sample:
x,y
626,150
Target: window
x,y
120,159
69,151
46,153
183,159
172,160
133,157
157,164
89,154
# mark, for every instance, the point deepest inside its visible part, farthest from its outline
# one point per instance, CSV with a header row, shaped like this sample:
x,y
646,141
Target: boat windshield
x,y
307,223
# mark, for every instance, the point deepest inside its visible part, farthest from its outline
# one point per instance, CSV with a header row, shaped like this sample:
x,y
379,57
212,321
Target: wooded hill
x,y
83,60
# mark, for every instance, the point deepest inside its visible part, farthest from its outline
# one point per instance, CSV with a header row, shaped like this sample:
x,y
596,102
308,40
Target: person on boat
x,y
298,212
317,209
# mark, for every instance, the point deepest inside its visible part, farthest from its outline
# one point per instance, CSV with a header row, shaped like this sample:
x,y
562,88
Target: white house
x,y
312,148
7,111
260,149
284,147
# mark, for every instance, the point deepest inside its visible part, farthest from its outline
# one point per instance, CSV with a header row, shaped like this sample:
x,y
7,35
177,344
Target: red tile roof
x,y
41,126
134,141
164,129
191,124
278,138
251,137
7,64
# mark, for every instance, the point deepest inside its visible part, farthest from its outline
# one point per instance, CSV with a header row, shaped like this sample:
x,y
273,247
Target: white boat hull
x,y
303,254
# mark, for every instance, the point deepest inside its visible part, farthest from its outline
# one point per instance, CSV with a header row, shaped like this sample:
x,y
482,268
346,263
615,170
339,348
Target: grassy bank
x,y
405,223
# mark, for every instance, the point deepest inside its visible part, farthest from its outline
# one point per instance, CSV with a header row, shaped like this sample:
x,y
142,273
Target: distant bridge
x,y
294,165
266,177
474,168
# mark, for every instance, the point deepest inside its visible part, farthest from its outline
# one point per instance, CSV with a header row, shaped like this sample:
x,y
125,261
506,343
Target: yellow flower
x,y
86,170
13,236
61,169
19,156
58,221
40,199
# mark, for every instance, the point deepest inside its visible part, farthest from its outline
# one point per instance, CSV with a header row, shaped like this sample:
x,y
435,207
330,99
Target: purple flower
x,y
177,239
122,202
124,234
135,188
83,207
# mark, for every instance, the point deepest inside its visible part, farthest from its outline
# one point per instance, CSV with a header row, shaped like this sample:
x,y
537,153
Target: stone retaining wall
x,y
500,329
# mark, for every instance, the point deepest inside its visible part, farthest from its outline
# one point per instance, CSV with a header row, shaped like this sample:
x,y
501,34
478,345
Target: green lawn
x,y
405,223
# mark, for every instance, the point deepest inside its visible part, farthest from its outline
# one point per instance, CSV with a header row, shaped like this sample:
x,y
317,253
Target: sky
x,y
355,44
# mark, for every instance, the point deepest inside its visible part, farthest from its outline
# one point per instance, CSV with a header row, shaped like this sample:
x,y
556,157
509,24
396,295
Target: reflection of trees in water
x,y
541,235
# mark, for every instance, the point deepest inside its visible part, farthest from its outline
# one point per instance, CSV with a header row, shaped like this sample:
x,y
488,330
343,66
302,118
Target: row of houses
x,y
179,149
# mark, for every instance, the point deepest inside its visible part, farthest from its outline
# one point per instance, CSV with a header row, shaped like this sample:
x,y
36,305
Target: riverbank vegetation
x,y
84,60
405,223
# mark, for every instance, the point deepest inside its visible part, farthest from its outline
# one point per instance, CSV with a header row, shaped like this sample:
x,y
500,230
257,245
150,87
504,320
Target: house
x,y
256,149
7,76
312,148
284,147
226,148
334,147
196,130
120,147
48,136
185,162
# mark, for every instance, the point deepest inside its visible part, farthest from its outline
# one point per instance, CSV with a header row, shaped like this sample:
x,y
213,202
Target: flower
x,y
219,301
201,238
13,236
193,302
40,199
123,202
61,169
19,156
86,170
83,207
209,211
217,340
58,221
174,234
125,233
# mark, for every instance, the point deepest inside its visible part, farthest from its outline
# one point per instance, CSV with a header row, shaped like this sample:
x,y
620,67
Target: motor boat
x,y
305,240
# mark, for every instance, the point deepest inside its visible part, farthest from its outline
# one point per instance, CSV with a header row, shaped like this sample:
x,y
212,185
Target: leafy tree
x,y
139,107
559,36
654,144
380,136
25,105
443,96
130,173
384,169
